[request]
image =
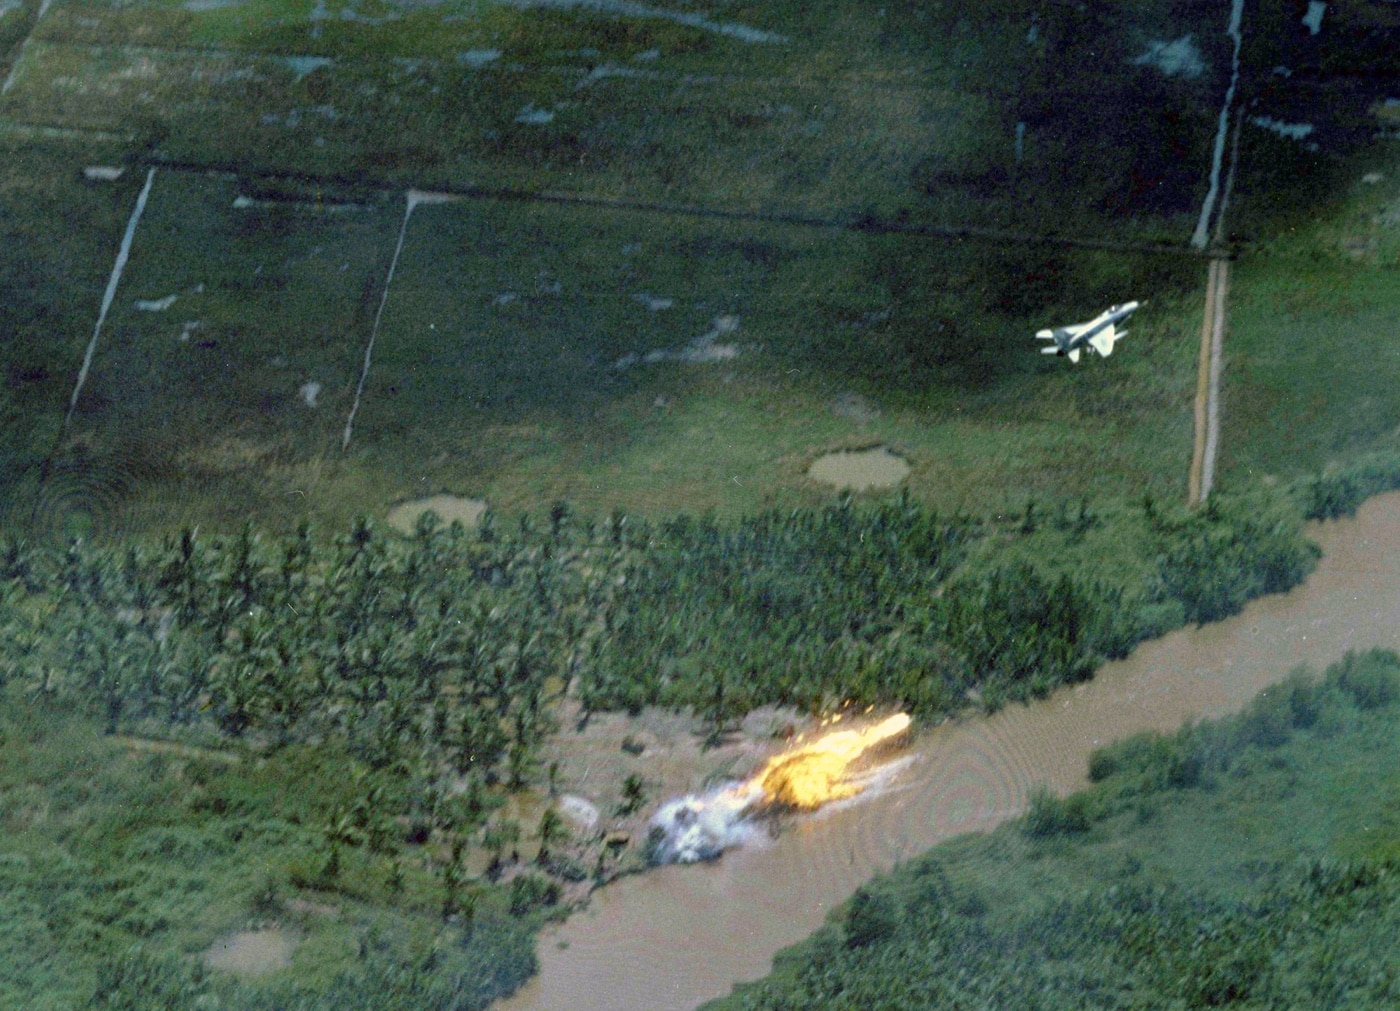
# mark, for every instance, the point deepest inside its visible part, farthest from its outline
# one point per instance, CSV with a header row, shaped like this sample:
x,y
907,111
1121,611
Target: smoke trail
x,y
123,253
1201,236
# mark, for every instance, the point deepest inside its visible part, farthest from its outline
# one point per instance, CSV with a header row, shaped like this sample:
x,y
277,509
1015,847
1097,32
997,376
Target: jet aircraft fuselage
x,y
1099,334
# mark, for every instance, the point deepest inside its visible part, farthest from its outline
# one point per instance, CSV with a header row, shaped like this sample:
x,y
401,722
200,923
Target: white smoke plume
x,y
702,827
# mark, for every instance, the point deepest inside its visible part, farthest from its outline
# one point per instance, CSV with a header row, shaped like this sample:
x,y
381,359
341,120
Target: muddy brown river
x,y
681,935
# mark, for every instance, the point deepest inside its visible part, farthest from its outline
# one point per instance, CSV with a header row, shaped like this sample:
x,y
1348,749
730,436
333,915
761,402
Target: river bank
x,y
699,930
1243,861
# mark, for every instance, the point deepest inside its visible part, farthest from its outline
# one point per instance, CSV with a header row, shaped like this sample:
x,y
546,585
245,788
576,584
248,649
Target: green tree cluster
x,y
1213,560
453,645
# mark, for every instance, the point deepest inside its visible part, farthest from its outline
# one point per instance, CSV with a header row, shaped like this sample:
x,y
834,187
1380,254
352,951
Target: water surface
x,y
681,935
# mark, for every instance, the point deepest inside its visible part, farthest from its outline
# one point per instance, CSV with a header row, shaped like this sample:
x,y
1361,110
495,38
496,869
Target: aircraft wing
x,y
1102,342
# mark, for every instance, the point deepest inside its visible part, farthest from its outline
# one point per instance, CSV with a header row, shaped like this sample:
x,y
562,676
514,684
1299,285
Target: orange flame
x,y
819,772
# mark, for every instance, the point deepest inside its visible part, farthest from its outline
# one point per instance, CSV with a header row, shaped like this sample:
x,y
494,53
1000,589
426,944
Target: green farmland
x,y
285,138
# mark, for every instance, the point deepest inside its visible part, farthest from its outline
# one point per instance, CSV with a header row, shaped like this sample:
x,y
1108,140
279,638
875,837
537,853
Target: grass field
x,y
52,274
495,365
125,865
827,107
496,369
1311,363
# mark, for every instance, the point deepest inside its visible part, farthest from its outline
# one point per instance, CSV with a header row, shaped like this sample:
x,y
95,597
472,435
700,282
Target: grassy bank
x,y
126,862
1196,872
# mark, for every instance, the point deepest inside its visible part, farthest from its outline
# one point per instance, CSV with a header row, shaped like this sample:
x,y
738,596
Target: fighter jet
x,y
1098,334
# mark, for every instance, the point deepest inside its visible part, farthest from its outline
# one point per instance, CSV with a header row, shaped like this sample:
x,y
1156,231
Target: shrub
x,y
529,892
1185,770
139,981
1103,763
1146,754
1267,721
1339,493
1050,816
1332,878
1372,678
1022,633
1226,975
1215,559
1304,696
871,918
1332,496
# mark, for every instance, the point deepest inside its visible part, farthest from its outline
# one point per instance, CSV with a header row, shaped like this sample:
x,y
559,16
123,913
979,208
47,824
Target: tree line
x,y
451,646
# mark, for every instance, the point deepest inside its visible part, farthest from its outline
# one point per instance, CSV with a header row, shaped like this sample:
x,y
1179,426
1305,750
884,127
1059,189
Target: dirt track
x,y
1202,474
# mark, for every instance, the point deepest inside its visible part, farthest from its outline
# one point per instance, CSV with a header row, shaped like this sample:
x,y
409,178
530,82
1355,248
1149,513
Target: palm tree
x,y
181,578
496,837
477,741
15,561
718,707
452,881
633,795
296,560
338,830
551,831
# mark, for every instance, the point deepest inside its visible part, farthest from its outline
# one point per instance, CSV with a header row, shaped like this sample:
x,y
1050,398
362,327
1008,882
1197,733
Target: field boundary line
x,y
16,53
413,199
123,254
78,134
854,223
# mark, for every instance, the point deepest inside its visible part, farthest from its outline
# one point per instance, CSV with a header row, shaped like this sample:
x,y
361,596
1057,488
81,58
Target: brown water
x,y
681,935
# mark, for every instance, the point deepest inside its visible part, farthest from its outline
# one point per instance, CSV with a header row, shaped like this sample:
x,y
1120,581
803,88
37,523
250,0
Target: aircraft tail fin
x,y
1045,335
1074,355
1049,351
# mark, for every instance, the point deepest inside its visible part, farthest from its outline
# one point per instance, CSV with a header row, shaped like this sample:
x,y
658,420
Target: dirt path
x,y
1202,475
1217,358
150,745
9,64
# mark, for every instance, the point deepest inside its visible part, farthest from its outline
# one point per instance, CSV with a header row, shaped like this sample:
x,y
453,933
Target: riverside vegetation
x,y
272,724
1214,884
212,732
